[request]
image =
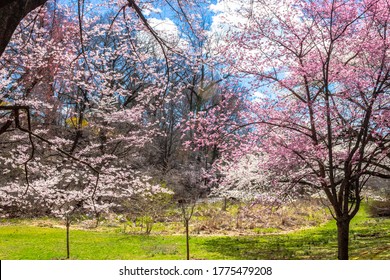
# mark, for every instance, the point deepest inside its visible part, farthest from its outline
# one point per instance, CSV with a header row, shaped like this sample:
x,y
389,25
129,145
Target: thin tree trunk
x,y
67,238
187,239
343,238
97,220
224,207
187,214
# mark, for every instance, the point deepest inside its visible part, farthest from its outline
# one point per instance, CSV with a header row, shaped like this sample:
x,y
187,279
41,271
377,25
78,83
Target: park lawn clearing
x,y
369,239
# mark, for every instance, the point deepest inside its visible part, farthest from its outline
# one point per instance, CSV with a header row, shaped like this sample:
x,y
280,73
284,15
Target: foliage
x,y
75,122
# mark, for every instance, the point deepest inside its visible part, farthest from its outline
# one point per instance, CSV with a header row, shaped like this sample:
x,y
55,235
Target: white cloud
x,y
228,14
259,95
165,28
237,14
148,10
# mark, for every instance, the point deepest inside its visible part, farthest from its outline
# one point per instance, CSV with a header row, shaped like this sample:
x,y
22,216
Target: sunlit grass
x,y
370,239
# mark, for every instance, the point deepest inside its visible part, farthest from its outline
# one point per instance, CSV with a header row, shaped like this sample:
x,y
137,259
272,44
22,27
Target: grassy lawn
x,y
370,239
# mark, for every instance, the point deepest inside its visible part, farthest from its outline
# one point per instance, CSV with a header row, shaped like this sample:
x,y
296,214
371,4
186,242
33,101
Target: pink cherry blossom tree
x,y
321,69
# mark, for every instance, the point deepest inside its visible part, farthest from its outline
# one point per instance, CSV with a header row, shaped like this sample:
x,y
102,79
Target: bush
x,y
379,208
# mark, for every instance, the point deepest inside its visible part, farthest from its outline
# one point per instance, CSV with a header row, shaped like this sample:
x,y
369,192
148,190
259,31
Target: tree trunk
x,y
67,238
11,13
187,239
97,219
224,206
343,238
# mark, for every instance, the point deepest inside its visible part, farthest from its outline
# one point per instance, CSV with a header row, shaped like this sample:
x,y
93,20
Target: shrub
x,y
380,208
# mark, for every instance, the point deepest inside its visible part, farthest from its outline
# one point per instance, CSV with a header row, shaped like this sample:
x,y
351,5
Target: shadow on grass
x,y
276,247
366,242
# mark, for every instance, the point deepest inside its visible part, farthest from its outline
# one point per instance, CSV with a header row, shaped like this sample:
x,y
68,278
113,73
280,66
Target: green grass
x,y
26,242
370,239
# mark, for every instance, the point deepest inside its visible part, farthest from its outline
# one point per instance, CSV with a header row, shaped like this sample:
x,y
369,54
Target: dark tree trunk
x,y
224,206
343,238
67,238
187,239
11,13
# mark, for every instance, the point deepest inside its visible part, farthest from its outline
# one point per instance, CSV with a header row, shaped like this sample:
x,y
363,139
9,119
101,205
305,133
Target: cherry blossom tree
x,y
68,191
12,12
321,71
76,107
